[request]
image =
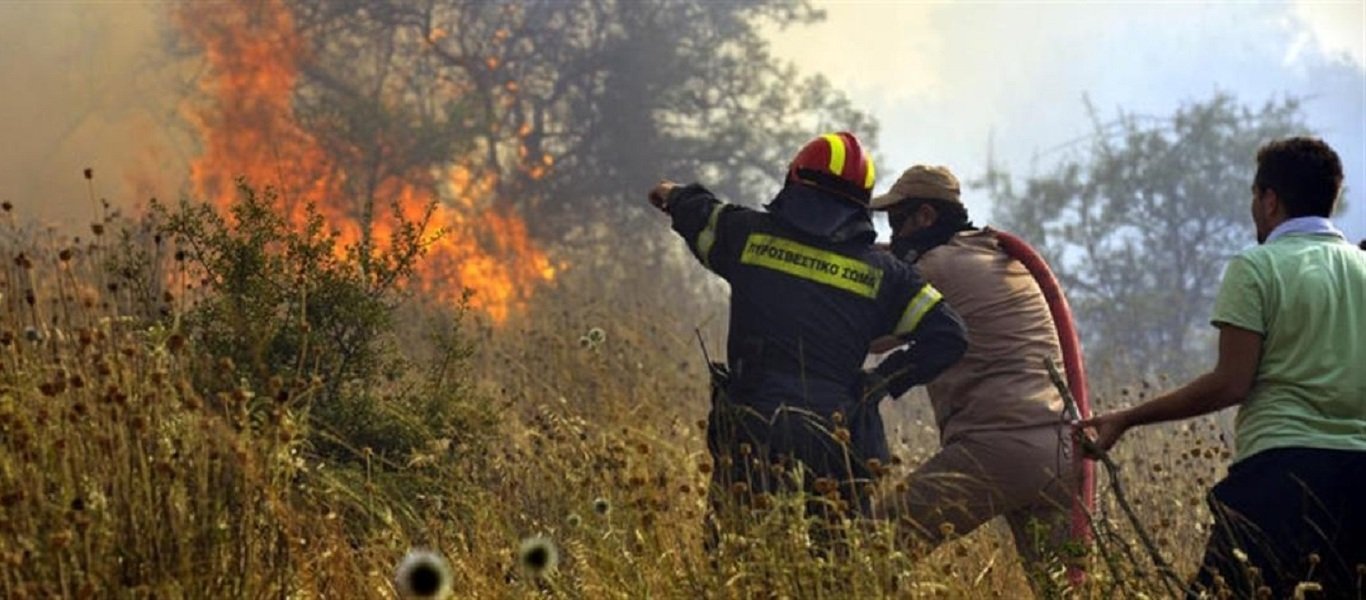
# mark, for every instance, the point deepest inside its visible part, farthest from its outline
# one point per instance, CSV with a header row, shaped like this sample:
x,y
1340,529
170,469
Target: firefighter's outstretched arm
x,y
936,340
696,214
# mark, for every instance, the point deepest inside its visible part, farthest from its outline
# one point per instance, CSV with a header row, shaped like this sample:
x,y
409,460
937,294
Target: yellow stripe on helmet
x,y
836,153
868,179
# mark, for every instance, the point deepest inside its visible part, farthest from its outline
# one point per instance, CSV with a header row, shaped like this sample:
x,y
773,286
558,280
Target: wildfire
x,y
250,129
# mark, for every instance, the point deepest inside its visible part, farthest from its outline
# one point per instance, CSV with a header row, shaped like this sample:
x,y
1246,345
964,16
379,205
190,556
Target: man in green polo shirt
x,y
1291,314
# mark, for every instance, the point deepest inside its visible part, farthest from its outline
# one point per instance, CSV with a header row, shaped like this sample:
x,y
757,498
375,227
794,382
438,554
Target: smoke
x,y
955,84
1336,29
87,86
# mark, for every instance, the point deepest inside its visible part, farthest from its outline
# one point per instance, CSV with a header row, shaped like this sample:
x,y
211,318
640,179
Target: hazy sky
x,y
944,78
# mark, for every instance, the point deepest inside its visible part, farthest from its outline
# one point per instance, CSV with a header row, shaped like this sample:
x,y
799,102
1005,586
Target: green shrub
x,y
286,311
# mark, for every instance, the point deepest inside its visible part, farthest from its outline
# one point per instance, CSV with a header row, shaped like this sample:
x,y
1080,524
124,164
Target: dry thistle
x,y
824,485
596,336
423,574
763,502
52,388
175,343
601,506
60,540
946,529
875,467
842,434
538,556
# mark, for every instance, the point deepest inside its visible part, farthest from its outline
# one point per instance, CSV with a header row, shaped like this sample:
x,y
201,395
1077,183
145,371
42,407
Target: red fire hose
x,y
1083,504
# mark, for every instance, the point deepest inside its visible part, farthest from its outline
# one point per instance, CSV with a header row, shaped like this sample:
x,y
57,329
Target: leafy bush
x,y
286,309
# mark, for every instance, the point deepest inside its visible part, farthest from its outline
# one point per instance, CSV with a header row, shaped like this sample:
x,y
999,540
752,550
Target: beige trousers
x,y
1024,475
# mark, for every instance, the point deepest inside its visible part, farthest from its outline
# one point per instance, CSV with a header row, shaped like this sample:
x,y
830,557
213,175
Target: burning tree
x,y
562,111
369,164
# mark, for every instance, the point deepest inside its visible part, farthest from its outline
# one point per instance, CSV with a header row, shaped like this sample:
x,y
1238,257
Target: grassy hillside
x,y
196,406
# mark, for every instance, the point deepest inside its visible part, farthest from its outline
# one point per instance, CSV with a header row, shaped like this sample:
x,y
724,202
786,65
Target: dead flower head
x,y
602,506
596,335
423,574
538,556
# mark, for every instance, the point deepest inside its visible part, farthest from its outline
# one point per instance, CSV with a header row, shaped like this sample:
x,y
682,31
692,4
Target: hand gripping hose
x,y
1084,502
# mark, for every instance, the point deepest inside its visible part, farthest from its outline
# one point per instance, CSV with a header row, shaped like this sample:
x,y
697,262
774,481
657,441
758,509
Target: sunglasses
x,y
898,216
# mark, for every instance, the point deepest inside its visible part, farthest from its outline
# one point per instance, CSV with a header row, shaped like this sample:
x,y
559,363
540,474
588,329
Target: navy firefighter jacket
x,y
805,308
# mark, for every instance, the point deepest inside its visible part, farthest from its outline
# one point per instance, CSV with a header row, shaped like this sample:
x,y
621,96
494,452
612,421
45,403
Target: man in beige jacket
x,y
1005,450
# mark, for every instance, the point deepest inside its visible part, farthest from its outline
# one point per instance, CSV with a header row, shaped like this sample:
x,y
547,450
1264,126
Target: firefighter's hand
x,y
659,196
1108,429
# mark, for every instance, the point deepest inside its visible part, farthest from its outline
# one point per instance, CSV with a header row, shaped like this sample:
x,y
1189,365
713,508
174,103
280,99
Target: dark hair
x,y
952,218
1305,173
947,213
1363,244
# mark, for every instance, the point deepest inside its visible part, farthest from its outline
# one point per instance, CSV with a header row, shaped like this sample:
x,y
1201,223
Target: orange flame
x,y
250,129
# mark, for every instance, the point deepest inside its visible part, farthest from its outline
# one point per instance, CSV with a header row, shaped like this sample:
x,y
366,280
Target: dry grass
x,y
120,478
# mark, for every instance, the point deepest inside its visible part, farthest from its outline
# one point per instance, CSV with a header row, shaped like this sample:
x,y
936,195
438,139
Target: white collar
x,y
1304,225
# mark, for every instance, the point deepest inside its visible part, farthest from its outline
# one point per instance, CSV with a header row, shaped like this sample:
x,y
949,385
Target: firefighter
x,y
809,292
1291,314
1004,449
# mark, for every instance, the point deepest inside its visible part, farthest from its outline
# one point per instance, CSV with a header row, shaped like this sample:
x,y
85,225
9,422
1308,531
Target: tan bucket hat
x,y
920,181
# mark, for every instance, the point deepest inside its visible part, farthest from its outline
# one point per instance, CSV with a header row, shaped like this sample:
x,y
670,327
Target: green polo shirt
x,y
1306,295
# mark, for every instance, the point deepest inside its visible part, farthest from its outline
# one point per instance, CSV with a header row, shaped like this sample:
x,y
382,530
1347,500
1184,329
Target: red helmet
x,y
835,162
